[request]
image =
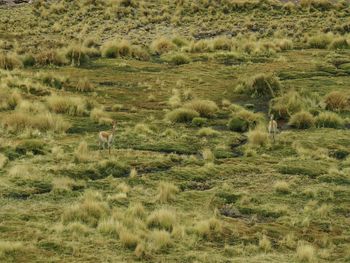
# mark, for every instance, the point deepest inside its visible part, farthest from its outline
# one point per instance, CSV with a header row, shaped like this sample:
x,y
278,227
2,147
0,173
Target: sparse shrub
x,y
329,120
336,101
205,108
306,253
281,187
238,124
166,192
208,132
160,239
162,218
258,137
162,45
261,85
84,85
9,61
265,243
181,115
302,120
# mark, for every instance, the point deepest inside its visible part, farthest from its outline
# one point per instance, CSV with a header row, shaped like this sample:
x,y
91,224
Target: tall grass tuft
x,y
329,120
166,192
261,85
302,120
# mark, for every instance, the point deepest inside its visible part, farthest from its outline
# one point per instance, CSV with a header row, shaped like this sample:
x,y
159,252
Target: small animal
x,y
272,128
106,138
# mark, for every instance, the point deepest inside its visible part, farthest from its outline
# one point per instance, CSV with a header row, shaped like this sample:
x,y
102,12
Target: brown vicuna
x,y
273,129
106,138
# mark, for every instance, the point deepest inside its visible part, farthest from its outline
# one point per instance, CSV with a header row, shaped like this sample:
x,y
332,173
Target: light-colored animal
x,y
106,138
273,129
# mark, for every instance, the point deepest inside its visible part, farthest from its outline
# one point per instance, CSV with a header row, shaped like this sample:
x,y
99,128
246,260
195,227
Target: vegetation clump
x,y
261,85
302,120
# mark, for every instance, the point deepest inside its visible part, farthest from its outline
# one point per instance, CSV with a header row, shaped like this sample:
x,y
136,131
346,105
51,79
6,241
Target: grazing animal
x,y
106,138
273,129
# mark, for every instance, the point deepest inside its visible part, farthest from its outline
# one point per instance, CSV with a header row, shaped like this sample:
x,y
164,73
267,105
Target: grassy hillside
x,y
193,175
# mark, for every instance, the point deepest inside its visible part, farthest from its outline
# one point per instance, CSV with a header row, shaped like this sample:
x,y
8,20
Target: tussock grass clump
x,y
63,184
19,121
287,104
306,253
208,132
76,54
208,229
320,41
160,240
205,108
110,227
329,120
336,101
166,192
208,155
162,218
177,59
9,61
137,210
74,106
258,137
84,85
264,243
162,45
8,248
284,44
129,239
302,120
90,211
238,124
340,43
98,115
82,153
50,57
181,115
3,160
281,187
9,100
222,43
28,60
261,85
